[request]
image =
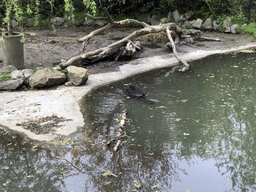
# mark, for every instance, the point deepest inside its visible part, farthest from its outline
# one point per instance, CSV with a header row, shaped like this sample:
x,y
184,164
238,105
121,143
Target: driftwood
x,y
124,47
119,131
174,49
202,38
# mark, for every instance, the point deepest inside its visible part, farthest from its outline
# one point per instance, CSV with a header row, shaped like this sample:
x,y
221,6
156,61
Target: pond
x,y
199,136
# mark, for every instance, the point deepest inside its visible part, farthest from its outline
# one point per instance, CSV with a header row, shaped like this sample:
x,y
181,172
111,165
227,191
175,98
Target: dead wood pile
x,y
126,47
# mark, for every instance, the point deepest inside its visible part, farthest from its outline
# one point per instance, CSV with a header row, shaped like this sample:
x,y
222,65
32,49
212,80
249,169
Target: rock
x,y
215,25
176,16
88,22
185,17
233,28
227,23
14,23
195,34
58,21
192,22
46,78
189,40
152,20
208,24
101,23
17,74
57,68
31,20
11,84
8,68
27,73
198,23
244,25
164,20
77,75
187,25
169,17
71,21
68,84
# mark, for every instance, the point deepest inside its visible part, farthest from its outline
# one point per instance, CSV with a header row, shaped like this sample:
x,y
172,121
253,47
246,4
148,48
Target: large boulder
x,y
17,74
208,24
187,25
227,23
88,22
27,73
152,20
164,20
101,23
46,78
215,25
169,17
198,23
6,69
77,75
195,34
58,21
11,84
233,28
14,23
185,17
31,20
176,16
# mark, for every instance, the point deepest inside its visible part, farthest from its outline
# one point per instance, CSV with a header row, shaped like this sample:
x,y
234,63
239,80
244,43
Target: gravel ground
x,y
44,48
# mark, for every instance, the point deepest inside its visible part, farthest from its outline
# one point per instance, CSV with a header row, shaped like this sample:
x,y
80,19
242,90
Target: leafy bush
x,y
79,17
250,29
130,8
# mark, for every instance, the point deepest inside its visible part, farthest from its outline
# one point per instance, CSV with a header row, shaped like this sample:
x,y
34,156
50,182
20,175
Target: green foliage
x,y
250,29
79,17
129,8
221,18
35,69
63,70
6,76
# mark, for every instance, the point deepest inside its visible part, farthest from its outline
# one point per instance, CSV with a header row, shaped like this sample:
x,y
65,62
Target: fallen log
x,y
119,131
174,50
124,47
202,38
117,46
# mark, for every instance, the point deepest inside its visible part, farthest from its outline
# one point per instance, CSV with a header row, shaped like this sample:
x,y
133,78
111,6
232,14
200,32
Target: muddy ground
x,y
44,48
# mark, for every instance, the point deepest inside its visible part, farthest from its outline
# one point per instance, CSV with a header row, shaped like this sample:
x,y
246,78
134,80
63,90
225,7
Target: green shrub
x,y
250,29
79,17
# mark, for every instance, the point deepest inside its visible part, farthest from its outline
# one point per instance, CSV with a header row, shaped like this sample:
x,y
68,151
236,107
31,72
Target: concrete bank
x,y
19,107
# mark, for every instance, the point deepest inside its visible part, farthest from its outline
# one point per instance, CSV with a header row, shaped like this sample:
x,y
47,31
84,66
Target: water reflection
x,y
200,136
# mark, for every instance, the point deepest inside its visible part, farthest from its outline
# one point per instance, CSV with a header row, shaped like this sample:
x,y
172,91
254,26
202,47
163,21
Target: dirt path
x,y
43,48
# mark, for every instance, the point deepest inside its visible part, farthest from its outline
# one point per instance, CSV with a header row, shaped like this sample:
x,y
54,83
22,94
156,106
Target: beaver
x,y
136,92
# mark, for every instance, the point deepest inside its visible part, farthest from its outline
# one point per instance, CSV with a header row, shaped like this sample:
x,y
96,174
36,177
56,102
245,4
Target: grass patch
x,y
5,76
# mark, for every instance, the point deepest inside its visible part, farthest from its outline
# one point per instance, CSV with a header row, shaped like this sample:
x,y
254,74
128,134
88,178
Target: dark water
x,y
200,136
